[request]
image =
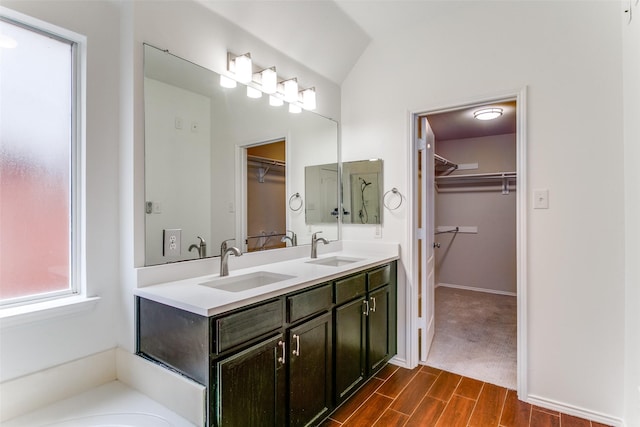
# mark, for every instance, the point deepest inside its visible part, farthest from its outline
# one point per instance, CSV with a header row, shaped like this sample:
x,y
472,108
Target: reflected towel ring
x,y
292,202
397,194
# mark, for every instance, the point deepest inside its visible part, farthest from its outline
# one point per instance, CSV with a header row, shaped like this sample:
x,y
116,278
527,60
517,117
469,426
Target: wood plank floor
x,y
426,396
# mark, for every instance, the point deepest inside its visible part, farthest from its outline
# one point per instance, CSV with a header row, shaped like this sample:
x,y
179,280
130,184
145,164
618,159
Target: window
x,y
38,152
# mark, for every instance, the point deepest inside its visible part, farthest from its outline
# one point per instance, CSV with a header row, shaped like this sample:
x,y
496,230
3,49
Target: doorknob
x,y
436,245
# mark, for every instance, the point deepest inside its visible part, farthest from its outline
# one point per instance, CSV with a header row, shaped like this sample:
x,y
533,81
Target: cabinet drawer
x,y
247,324
379,277
309,302
350,288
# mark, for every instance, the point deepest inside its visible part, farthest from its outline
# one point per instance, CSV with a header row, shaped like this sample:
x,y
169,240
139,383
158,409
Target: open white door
x,y
425,144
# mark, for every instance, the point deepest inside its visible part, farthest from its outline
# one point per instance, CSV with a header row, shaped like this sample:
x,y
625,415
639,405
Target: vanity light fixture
x,y
290,90
275,101
252,92
295,108
227,82
269,80
487,113
241,67
309,98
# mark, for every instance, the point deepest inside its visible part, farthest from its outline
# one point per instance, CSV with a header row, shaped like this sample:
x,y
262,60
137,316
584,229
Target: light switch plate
x,y
541,199
172,238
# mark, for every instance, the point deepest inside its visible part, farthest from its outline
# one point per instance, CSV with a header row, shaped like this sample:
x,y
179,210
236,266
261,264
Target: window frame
x,y
77,171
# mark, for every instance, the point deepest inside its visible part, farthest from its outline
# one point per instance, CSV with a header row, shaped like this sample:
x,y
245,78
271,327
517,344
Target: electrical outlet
x,y
378,232
178,122
172,238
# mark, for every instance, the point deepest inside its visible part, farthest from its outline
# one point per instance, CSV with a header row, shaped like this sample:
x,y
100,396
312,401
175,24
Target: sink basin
x,y
246,281
334,261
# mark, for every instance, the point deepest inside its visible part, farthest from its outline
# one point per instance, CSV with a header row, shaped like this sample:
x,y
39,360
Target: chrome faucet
x,y
201,248
224,245
314,243
224,259
293,239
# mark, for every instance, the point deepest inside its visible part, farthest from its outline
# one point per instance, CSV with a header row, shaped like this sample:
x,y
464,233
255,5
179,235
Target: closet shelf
x,y
505,179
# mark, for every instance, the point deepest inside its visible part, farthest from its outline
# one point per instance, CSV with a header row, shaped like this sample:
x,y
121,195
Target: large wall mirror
x,y
220,166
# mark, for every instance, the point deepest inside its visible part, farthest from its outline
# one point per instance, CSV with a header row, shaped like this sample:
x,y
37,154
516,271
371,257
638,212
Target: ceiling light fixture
x,y
487,113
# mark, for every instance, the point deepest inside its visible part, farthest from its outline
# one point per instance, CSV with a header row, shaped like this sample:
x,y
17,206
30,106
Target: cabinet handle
x,y
296,352
374,304
366,310
282,344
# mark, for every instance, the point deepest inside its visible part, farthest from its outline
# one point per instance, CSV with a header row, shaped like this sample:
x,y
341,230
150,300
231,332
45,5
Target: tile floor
x,y
426,396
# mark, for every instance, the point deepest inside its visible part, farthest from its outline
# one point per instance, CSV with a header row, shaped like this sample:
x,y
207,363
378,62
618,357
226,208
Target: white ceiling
x,y
316,33
328,36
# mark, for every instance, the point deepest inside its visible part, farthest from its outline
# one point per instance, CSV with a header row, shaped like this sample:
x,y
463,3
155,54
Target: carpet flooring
x,y
475,335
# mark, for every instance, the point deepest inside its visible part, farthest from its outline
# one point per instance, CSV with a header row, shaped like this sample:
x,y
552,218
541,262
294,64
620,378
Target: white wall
x,y
35,346
570,60
631,76
486,259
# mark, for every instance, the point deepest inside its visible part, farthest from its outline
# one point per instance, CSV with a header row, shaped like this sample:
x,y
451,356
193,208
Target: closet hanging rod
x,y
266,161
491,175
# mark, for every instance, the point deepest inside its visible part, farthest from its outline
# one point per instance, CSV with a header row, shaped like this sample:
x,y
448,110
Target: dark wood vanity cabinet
x,y
288,361
365,327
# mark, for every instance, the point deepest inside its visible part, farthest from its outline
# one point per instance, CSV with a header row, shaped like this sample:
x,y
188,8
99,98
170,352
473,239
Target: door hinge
x,y
421,234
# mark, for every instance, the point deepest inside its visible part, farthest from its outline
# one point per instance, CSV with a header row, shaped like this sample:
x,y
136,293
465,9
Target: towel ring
x,y
395,192
292,202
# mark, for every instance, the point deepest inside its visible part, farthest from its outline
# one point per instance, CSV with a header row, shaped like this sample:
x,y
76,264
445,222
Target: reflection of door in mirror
x,y
266,204
321,206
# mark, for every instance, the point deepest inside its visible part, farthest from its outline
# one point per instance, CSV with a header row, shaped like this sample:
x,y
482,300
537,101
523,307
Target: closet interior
x,y
475,177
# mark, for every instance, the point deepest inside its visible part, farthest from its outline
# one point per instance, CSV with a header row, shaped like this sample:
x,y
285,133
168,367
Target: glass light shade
x,y
309,99
290,90
244,71
227,82
488,113
274,101
253,92
269,80
295,108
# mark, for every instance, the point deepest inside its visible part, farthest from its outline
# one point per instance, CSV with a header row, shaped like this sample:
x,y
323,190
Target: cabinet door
x,y
350,368
250,386
310,371
379,338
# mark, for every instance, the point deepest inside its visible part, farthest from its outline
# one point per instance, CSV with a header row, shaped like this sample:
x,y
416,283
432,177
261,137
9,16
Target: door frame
x,y
521,228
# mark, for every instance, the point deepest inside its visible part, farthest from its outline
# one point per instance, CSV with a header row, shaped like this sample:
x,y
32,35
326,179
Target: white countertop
x,y
190,295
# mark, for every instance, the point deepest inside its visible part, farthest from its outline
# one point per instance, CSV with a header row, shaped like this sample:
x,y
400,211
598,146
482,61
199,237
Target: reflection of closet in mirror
x,y
266,204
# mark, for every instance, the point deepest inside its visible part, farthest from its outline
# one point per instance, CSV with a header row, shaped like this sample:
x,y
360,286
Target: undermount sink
x,y
246,281
334,261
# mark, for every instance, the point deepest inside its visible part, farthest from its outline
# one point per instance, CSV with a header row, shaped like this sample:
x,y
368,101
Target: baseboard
x,y
575,411
179,394
400,361
31,392
471,288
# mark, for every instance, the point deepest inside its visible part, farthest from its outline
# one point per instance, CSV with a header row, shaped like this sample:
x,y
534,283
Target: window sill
x,y
37,312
